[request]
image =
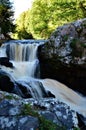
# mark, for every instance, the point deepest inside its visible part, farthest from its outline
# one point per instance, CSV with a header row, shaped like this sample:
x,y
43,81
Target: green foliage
x,y
22,34
82,5
10,97
22,31
76,129
6,17
83,45
65,38
27,110
48,125
73,43
46,15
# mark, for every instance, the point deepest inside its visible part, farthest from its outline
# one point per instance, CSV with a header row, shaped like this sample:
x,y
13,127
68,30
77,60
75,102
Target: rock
x,y
30,89
82,121
17,115
25,93
50,94
6,82
5,61
16,123
63,56
57,112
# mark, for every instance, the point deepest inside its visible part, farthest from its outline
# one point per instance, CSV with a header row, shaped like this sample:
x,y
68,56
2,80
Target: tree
x,y
82,5
22,28
46,15
6,17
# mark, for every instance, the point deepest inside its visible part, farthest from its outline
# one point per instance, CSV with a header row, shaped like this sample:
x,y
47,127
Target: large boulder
x,y
28,114
63,56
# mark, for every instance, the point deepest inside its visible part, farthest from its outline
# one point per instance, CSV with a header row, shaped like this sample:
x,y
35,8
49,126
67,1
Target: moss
x,y
84,24
9,97
73,43
48,125
27,110
65,38
76,129
83,45
44,123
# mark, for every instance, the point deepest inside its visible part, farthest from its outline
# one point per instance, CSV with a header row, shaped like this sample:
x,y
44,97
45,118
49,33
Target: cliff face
x,y
63,56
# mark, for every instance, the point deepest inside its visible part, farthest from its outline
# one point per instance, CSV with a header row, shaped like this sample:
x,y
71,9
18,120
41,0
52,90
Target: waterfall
x,y
22,52
23,55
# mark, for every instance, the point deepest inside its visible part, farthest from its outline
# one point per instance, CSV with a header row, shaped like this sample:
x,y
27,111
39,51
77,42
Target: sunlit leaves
x,y
49,14
22,29
46,15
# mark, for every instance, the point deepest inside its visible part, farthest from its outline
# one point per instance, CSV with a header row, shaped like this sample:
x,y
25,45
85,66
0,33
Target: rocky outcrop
x,y
63,56
28,114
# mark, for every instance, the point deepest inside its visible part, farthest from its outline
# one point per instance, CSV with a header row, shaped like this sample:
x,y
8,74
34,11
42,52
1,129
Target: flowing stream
x,y
25,71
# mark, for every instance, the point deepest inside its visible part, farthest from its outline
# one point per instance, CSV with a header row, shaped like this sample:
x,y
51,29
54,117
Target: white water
x,y
25,62
3,52
24,59
66,95
23,52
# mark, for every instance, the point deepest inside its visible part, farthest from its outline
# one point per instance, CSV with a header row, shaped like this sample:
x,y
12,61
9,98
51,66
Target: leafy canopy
x,y
46,15
22,29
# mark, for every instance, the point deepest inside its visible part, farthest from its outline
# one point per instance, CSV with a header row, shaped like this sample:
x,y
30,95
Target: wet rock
x,y
57,112
28,123
16,123
13,116
63,56
82,121
30,89
5,61
6,82
50,94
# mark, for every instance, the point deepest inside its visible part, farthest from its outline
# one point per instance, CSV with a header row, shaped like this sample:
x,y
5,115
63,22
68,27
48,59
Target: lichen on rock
x,y
15,115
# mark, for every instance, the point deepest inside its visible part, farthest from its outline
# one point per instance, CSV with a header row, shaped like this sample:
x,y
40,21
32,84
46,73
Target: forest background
x,y
41,19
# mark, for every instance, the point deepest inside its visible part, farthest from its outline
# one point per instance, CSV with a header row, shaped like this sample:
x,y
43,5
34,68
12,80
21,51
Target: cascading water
x,y
23,56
